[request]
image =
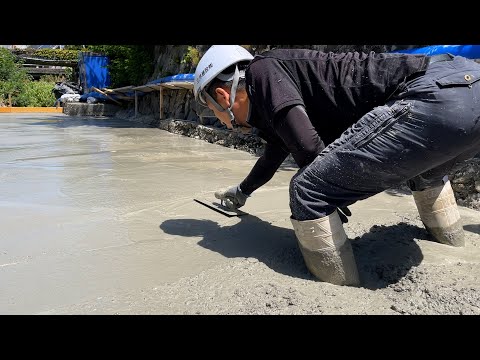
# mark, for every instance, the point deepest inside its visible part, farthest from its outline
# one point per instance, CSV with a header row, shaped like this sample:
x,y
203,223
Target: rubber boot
x,y
326,250
439,213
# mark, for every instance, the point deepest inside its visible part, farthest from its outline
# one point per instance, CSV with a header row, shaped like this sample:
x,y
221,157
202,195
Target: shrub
x,y
37,93
13,78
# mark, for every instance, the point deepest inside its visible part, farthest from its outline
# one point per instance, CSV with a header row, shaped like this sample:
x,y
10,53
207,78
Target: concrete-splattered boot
x,y
439,213
326,250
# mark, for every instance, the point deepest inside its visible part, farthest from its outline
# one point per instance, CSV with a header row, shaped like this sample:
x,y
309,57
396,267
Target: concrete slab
x,y
98,217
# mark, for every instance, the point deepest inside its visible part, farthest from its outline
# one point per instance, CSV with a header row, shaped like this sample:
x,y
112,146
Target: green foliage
x,y
69,75
49,54
57,54
191,57
128,64
75,47
13,78
7,64
52,78
37,93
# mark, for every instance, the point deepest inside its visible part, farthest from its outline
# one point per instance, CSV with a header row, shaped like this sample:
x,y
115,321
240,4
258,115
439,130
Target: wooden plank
x,y
45,71
161,103
121,96
40,61
31,109
147,88
136,103
103,93
178,85
120,89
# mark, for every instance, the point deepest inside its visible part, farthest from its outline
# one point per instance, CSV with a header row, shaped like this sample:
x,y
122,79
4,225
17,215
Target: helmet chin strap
x,y
232,118
233,92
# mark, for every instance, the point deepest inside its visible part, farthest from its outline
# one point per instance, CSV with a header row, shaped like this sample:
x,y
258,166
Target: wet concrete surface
x,y
98,216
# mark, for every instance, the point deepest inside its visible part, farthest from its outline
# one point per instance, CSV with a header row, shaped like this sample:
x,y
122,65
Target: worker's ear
x,y
223,97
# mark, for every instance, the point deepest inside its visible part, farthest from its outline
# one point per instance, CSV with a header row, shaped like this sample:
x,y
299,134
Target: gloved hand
x,y
232,198
343,212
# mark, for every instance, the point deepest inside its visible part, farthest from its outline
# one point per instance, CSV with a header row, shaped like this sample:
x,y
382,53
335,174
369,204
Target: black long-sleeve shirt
x,y
302,100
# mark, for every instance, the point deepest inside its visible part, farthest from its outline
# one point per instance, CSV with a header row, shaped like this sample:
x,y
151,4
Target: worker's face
x,y
223,99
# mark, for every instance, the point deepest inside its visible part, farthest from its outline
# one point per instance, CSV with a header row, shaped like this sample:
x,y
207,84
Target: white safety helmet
x,y
213,62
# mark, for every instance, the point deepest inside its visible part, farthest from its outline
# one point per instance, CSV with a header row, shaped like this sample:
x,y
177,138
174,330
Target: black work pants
x,y
428,126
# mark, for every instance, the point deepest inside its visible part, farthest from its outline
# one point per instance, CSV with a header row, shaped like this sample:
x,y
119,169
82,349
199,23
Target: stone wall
x,y
465,179
84,109
177,104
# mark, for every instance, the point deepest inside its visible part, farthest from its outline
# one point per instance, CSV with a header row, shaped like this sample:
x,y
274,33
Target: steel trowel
x,y
218,207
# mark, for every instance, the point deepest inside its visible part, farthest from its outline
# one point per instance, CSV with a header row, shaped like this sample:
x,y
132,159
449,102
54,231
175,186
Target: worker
x,y
356,124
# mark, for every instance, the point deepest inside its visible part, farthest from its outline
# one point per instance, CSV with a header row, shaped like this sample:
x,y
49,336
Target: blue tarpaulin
x,y
179,81
96,95
468,51
174,78
93,71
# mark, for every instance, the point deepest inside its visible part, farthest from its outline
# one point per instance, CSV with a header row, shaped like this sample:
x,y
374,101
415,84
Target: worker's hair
x,y
215,83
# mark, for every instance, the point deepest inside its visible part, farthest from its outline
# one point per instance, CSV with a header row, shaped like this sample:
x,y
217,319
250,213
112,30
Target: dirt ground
x,y
113,229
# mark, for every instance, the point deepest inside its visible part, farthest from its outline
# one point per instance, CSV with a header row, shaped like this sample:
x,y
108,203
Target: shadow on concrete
x,y
473,228
252,237
384,255
71,121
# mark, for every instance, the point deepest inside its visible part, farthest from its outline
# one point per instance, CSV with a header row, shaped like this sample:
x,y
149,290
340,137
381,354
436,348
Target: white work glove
x,y
232,198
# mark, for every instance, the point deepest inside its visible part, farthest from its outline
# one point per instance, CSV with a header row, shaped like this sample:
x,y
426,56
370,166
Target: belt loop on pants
x,y
439,57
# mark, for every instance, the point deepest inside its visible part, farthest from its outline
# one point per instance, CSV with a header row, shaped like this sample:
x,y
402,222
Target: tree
x,y
13,78
128,64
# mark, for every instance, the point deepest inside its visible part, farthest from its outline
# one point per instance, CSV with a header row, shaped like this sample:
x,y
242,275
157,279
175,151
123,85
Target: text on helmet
x,y
204,71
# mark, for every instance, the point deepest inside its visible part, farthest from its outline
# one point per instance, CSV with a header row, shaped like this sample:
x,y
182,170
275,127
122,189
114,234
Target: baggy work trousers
x,y
429,125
